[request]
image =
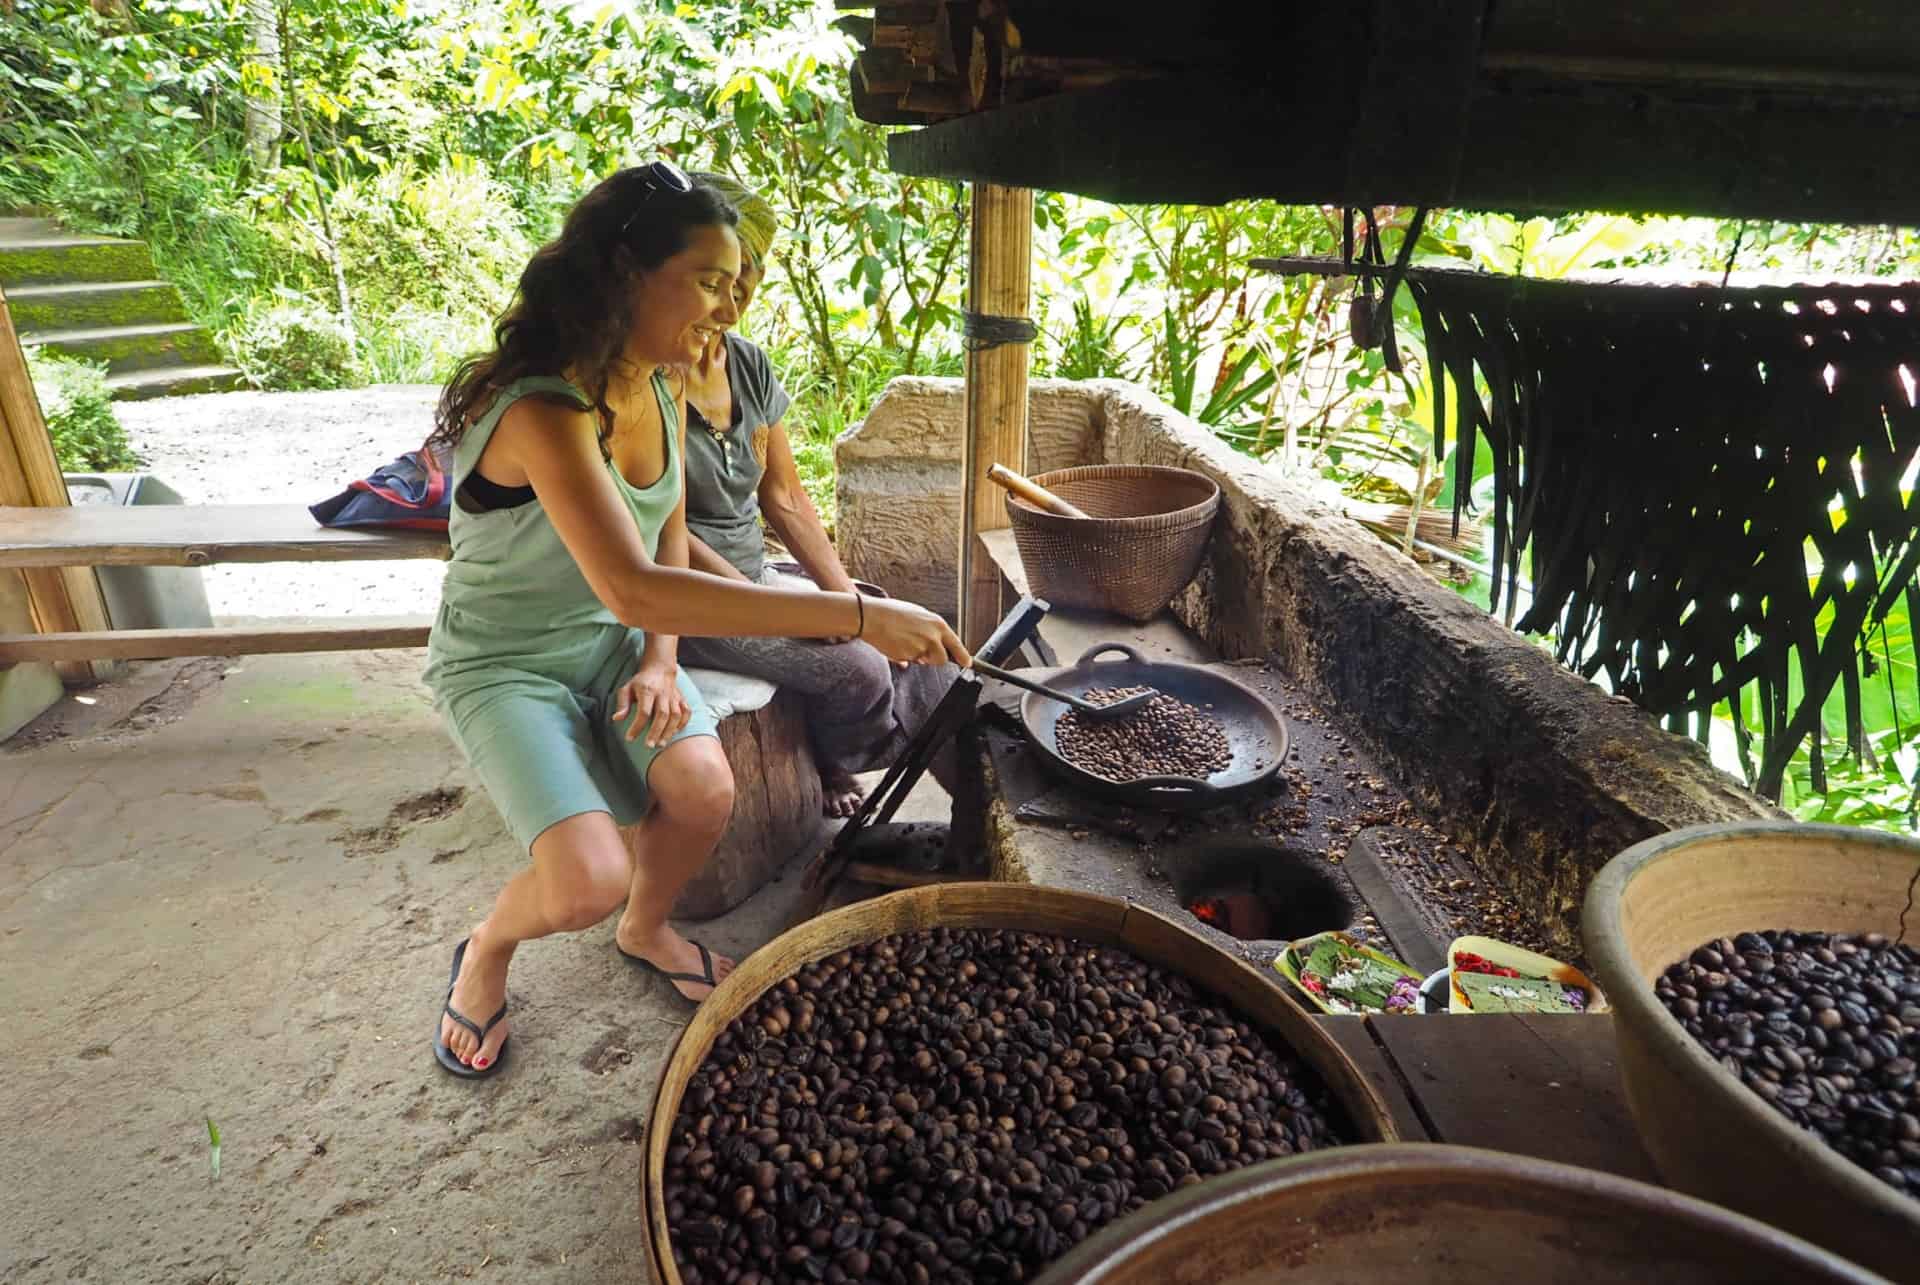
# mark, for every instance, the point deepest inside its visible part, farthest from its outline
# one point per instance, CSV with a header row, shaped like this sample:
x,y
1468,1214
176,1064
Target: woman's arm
x,y
789,511
559,452
701,557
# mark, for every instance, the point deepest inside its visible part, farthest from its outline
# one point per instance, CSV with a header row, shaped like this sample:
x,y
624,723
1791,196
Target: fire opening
x,y
1259,893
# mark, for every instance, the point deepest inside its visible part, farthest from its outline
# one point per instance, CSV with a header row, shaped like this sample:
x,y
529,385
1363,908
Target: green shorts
x,y
545,751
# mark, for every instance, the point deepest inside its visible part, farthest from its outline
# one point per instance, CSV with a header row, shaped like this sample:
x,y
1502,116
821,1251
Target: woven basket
x,y
1141,543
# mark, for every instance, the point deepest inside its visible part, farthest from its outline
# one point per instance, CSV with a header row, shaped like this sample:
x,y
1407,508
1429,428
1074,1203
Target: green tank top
x,y
513,594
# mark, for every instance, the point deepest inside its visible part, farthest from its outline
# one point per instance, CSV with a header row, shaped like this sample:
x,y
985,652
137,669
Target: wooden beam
x,y
882,71
249,640
998,276
937,100
1211,31
1540,148
859,29
1847,39
67,598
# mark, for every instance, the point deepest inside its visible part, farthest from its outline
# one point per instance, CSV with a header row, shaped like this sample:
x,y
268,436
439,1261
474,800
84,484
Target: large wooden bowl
x,y
1022,907
1659,901
1438,1215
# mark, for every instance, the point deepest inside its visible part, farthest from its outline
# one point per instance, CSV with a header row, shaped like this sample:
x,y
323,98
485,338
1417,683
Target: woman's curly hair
x,y
573,310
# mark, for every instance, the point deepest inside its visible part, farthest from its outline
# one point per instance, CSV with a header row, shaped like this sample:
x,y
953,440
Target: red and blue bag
x,y
410,493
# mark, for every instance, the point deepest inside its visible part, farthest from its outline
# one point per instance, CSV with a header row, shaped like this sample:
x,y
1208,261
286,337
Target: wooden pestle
x,y
1031,492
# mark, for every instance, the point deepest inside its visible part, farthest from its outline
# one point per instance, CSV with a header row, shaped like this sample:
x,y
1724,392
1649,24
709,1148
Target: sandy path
x,y
236,448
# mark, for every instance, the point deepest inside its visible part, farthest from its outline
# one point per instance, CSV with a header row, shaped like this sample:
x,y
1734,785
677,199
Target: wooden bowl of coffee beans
x,y
962,1082
1430,1214
1766,995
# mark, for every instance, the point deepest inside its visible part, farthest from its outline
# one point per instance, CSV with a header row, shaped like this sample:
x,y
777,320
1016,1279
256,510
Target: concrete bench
x,y
777,801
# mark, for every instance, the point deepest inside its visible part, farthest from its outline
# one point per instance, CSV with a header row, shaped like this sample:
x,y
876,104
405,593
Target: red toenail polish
x,y
482,1064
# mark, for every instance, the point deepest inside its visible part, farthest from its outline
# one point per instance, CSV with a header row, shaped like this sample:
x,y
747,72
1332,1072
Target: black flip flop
x,y
705,978
443,1054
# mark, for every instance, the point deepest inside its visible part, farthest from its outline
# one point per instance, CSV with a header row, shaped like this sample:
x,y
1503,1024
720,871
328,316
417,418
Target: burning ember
x,y
1239,914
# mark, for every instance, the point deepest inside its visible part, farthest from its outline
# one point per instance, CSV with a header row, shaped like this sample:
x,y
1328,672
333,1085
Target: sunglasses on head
x,y
657,177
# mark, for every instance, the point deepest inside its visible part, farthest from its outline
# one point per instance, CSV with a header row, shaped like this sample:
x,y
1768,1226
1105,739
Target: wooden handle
x,y
1032,493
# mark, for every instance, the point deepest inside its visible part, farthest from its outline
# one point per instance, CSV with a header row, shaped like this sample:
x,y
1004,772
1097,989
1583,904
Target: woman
x,y
553,658
860,710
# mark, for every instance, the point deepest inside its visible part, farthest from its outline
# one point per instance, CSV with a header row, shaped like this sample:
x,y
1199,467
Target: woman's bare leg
x,y
578,877
692,789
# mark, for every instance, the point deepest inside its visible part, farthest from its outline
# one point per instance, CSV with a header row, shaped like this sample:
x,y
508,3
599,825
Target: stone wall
x,y
898,491
1538,773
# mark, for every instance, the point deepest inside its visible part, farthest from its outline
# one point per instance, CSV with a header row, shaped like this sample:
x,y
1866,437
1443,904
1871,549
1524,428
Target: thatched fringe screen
x,y
1665,453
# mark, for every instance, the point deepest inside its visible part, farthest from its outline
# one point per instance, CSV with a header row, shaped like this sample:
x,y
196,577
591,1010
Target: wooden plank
x,y
30,475
193,535
998,284
248,640
1357,1042
1401,922
1535,1086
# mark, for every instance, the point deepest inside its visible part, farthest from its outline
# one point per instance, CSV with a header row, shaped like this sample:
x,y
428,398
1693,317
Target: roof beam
x,y
1742,108
1523,144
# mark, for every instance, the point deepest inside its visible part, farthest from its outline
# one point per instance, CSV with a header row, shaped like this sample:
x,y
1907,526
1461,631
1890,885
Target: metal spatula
x,y
1119,709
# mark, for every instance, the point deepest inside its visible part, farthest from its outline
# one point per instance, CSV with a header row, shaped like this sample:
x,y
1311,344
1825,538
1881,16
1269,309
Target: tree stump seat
x,y
777,799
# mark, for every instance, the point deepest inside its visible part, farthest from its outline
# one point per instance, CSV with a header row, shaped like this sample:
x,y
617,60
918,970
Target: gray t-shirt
x,y
724,468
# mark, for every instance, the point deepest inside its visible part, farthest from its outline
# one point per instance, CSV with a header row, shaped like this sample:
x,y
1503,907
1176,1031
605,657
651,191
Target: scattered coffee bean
x,y
1821,1026
1087,1083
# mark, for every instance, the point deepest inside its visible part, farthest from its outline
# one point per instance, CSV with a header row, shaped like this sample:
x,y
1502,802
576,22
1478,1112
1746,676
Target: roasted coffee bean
x,y
1167,737
1824,1027
968,1115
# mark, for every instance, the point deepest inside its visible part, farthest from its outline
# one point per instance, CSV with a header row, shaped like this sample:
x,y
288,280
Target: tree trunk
x,y
264,95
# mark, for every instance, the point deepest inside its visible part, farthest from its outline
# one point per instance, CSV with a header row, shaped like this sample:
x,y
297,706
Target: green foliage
x,y
415,345
294,345
78,408
446,239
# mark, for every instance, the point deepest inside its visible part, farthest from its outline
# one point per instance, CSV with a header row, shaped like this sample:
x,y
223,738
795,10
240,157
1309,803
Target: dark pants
x,y
861,710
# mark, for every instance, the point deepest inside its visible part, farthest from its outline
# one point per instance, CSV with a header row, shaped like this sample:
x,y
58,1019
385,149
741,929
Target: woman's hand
x,y
654,697
905,631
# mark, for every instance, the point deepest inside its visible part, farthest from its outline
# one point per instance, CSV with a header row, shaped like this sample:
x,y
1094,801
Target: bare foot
x,y
477,996
668,951
841,796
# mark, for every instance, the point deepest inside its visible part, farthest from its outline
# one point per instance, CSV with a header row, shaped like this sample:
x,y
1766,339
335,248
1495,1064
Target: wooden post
x,y
996,398
63,599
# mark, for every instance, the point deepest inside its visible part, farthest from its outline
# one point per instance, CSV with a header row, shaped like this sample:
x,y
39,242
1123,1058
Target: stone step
x,y
56,259
26,227
129,348
88,305
170,381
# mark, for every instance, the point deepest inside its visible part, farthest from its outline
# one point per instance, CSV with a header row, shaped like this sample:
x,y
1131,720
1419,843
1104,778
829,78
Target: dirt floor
x,y
230,891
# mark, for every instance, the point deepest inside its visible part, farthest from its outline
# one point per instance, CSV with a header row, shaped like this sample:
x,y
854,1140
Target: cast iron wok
x,y
1256,733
